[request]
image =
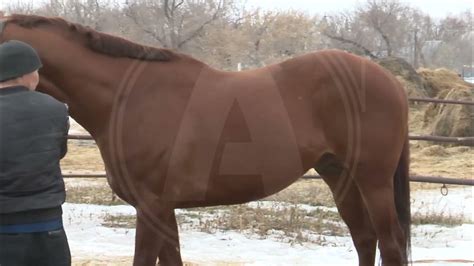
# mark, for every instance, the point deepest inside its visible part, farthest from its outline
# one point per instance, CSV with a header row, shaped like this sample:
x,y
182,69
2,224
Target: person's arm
x,y
64,140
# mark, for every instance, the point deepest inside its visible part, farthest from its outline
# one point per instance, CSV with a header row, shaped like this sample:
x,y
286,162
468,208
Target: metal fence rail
x,y
466,141
80,137
431,100
416,178
425,179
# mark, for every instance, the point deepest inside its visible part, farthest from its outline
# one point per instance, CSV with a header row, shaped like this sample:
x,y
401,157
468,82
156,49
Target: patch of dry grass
x,y
435,160
444,219
96,194
304,191
292,221
119,221
426,214
82,156
291,224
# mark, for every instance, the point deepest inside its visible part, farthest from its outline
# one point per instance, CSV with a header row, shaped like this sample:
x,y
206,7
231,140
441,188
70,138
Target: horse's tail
x,y
402,196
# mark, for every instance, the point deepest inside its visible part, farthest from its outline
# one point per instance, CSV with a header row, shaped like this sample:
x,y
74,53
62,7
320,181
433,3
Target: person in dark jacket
x,y
33,139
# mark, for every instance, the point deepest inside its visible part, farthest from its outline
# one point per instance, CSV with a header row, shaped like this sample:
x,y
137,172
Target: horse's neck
x,y
88,94
92,88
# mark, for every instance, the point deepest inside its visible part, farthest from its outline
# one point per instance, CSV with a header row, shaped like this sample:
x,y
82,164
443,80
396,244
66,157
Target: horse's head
x,y
33,30
74,48
37,31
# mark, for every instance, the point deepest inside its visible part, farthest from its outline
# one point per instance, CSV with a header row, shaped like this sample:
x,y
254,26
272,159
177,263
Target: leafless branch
x,y
365,50
199,30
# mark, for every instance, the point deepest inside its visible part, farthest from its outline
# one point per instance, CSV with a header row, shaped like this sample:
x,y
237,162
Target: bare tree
x,y
20,7
387,18
288,33
375,29
93,13
455,36
348,33
174,23
421,37
225,33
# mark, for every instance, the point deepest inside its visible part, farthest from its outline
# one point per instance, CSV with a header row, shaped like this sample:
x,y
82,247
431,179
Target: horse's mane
x,y
99,42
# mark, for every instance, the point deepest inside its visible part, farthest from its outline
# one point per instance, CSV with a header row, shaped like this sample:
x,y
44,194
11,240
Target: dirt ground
x,y
115,261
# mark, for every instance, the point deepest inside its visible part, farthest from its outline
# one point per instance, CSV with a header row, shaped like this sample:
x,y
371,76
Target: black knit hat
x,y
17,59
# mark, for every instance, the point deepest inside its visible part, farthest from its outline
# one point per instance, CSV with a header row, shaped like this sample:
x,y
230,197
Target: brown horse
x,y
175,133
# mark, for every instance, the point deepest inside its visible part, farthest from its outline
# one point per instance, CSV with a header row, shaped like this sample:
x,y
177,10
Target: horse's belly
x,y
236,189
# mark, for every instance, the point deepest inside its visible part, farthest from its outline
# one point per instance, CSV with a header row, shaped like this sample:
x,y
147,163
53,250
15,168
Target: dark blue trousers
x,y
35,249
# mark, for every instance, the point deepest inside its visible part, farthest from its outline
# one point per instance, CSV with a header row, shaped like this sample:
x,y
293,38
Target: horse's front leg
x,y
156,237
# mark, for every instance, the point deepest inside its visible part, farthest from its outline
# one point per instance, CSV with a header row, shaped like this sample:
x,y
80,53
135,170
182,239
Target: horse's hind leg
x,y
351,208
376,187
157,237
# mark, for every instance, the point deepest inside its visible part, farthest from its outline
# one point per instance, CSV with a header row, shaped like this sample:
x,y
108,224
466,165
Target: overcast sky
x,y
436,8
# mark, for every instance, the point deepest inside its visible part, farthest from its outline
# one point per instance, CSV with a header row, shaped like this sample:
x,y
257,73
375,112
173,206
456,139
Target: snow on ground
x,y
75,128
459,201
469,79
431,243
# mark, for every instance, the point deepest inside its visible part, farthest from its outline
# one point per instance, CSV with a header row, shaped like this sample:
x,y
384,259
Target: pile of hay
x,y
450,120
413,83
441,81
453,120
